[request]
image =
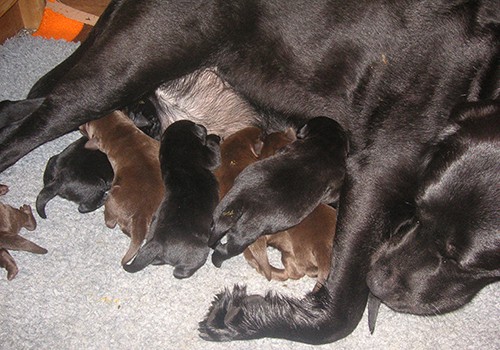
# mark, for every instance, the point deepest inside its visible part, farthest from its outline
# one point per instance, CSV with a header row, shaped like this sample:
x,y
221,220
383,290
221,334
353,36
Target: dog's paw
x,y
225,319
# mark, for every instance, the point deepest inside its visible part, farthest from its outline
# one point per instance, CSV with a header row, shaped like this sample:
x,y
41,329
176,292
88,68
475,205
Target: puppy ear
x,y
92,144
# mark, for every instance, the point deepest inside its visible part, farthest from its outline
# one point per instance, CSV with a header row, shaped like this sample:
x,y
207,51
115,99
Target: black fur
x,y
84,176
280,191
179,233
389,72
433,264
77,174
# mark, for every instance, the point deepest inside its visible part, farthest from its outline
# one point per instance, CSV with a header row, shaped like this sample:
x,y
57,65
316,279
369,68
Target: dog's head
x,y
439,259
185,142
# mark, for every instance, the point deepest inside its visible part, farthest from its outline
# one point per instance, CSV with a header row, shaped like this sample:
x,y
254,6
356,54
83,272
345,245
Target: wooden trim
x,y
69,12
31,12
5,5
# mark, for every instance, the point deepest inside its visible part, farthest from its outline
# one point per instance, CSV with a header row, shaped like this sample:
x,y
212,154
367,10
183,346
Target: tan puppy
x,y
12,220
306,248
137,189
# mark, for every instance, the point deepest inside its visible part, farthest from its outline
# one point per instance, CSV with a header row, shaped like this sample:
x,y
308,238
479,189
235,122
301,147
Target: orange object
x,y
57,26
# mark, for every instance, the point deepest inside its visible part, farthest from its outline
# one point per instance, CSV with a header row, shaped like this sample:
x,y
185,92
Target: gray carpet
x,y
78,297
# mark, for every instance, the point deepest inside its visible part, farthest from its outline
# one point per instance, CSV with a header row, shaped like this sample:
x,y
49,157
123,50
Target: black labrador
x,y
389,72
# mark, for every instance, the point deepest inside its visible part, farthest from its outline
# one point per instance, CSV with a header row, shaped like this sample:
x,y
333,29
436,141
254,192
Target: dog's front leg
x,y
334,310
123,60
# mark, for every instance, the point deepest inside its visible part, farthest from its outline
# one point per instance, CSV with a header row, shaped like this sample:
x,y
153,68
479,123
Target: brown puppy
x,y
306,248
11,222
237,151
137,189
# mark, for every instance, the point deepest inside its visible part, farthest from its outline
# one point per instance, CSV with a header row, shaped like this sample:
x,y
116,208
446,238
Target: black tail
x,y
148,253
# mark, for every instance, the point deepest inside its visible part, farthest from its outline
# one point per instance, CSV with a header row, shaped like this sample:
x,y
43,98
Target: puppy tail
x,y
51,188
16,242
136,239
146,255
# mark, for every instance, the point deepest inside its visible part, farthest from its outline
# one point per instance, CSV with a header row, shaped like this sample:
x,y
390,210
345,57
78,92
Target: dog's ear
x,y
92,144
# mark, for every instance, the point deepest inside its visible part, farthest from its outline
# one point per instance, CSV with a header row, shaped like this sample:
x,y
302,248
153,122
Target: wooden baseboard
x,y
19,14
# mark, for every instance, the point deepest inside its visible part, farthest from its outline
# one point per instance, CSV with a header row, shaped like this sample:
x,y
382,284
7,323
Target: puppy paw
x,y
30,223
225,318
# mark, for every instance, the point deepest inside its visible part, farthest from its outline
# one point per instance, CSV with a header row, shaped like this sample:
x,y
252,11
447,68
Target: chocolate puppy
x,y
12,220
84,176
238,150
306,248
137,189
279,190
180,231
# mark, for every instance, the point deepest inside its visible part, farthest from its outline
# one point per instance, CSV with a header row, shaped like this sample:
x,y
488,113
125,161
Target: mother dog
x,y
412,82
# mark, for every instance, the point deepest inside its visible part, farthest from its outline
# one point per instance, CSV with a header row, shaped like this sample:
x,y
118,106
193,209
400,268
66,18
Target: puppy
x,y
84,176
77,174
238,150
305,248
180,230
272,189
11,222
137,188
391,79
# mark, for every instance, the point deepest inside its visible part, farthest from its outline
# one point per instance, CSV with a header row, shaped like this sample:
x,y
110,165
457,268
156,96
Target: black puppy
x,y
279,192
390,72
180,230
84,176
77,174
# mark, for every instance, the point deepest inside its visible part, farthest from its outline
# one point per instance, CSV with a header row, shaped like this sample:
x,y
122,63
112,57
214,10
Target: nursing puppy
x,y
180,230
12,220
137,189
266,194
305,248
77,174
389,72
84,176
237,150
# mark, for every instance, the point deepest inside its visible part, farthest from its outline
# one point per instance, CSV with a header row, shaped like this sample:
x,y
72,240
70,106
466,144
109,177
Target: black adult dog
x,y
389,72
180,230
